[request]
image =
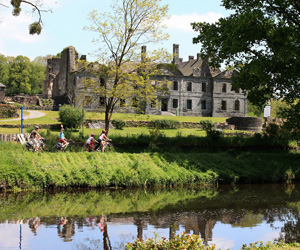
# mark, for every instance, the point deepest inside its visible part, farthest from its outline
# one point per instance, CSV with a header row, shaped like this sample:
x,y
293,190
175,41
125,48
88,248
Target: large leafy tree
x,y
122,74
261,38
20,75
36,7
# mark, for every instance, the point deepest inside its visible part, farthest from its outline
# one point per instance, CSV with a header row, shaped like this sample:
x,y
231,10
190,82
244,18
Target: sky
x,y
63,27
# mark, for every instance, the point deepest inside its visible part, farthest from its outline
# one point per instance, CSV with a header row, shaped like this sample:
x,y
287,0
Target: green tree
x,y
261,39
4,69
37,77
122,75
70,116
19,80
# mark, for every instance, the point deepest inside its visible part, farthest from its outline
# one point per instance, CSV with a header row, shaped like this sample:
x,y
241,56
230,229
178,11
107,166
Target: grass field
x,y
51,117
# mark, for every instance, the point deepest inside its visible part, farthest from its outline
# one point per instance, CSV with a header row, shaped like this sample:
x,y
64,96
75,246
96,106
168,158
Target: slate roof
x,y
187,68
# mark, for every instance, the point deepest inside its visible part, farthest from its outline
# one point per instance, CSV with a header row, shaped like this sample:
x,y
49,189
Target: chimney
x,y
143,53
175,53
198,56
181,60
191,58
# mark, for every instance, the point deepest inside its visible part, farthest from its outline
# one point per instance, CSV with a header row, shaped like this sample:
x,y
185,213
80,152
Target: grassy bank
x,y
20,169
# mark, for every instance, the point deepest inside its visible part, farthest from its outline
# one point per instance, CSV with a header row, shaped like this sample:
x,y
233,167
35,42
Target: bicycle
x,y
108,146
36,146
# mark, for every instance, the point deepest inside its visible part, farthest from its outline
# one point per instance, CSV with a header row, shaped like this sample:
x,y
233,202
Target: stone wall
x,y
246,123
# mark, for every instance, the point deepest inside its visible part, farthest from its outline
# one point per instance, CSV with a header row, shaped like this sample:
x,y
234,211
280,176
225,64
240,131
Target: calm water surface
x,y
227,216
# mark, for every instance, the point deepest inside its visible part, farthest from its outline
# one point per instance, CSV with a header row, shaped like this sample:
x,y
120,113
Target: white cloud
x,y
183,22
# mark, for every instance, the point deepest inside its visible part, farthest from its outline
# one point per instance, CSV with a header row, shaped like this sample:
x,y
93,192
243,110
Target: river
x,y
226,216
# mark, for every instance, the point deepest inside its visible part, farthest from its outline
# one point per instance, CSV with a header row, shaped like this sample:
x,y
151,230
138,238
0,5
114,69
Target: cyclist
x,y
90,142
102,139
62,138
35,137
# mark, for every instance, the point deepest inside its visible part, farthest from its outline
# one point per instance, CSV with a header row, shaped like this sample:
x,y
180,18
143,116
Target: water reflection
x,y
108,219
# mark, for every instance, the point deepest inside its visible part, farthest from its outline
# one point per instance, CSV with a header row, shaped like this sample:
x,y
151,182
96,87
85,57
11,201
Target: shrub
x,y
70,116
183,241
208,127
118,123
8,111
164,123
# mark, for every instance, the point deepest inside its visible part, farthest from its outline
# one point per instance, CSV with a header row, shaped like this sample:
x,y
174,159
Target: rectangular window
x,y
189,86
102,101
175,103
203,104
237,91
87,101
189,104
237,105
224,105
204,87
175,85
224,88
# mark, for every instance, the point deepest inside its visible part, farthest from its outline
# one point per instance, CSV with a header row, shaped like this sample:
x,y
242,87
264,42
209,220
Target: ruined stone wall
x,y
61,81
229,97
53,67
183,95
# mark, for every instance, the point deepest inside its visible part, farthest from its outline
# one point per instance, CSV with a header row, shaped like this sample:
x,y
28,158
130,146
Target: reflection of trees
x,y
199,209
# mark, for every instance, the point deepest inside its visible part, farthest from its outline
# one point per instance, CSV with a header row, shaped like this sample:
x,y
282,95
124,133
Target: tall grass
x,y
21,169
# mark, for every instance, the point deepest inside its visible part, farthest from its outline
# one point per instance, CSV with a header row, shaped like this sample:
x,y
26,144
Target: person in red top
x,y
90,142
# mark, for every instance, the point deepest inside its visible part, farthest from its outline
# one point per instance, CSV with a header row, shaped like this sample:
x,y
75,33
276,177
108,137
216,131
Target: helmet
x,y
93,135
103,131
36,127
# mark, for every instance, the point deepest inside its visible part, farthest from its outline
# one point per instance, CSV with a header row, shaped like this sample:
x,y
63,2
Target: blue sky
x,y
64,26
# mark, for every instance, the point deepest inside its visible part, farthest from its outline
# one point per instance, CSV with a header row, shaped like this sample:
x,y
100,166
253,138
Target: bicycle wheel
x,y
109,148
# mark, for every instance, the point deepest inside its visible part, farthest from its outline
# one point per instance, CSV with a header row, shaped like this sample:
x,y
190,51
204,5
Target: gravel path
x,y
32,114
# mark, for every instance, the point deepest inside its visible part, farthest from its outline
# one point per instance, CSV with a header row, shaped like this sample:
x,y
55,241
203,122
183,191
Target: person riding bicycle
x,y
62,138
35,137
90,142
102,138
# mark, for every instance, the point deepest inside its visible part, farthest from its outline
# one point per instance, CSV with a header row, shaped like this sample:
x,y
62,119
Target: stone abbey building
x,y
196,89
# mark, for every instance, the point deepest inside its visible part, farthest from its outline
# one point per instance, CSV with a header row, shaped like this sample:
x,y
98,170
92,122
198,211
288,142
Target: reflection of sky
x,y
224,236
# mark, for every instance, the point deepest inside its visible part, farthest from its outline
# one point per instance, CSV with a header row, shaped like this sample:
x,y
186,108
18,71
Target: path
x,y
32,114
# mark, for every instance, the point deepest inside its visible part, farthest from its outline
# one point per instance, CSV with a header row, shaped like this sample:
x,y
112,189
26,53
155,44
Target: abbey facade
x,y
196,89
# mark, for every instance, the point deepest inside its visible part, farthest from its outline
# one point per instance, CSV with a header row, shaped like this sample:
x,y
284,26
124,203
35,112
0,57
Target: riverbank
x,y
21,170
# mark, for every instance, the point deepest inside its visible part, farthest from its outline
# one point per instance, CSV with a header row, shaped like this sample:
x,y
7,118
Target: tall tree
x,y
261,38
121,33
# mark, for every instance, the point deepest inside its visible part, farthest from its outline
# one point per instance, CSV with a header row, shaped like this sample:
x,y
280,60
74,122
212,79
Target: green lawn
x,y
52,118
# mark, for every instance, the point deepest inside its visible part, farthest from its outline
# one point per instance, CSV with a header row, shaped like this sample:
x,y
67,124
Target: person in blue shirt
x,y
62,138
